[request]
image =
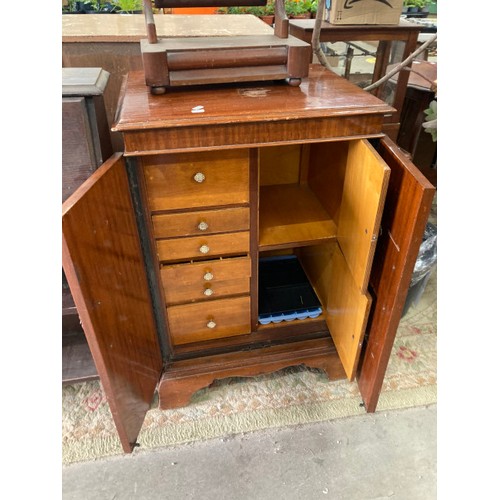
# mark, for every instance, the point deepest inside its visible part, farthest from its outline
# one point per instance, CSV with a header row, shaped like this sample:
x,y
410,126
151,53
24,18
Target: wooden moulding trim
x,y
357,115
183,378
294,352
149,142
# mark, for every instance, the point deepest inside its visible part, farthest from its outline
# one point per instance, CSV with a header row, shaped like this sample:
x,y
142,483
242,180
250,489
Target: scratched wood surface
x,y
322,94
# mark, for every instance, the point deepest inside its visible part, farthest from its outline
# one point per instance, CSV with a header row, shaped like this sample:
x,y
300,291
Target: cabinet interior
x,y
318,201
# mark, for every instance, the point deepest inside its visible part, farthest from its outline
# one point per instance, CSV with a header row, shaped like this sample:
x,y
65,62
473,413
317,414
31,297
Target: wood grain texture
x,y
103,263
323,107
326,174
363,196
206,247
347,313
408,202
182,379
405,32
190,322
279,165
283,225
171,185
188,282
198,222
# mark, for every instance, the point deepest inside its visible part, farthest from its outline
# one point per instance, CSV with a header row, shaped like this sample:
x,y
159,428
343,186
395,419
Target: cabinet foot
x,y
294,82
183,378
158,90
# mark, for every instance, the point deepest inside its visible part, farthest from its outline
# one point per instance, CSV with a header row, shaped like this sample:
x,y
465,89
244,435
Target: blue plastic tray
x,y
285,293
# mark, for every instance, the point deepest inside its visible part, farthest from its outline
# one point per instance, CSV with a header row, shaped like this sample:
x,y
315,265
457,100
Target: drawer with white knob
x,y
196,180
174,225
212,279
206,247
209,320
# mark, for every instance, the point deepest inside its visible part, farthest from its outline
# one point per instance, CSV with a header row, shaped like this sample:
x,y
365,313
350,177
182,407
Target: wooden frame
x,y
172,62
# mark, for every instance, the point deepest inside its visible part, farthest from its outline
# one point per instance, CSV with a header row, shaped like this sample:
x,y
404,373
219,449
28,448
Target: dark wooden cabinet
x,y
85,146
162,244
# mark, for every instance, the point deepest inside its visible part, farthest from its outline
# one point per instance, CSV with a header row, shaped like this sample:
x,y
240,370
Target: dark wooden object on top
x,y
387,36
182,61
85,145
325,153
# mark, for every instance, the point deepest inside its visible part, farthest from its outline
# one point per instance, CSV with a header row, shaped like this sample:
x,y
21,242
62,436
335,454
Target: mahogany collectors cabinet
x,y
161,245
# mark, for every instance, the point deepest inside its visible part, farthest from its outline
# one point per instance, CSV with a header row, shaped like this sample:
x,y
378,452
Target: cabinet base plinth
x,y
183,378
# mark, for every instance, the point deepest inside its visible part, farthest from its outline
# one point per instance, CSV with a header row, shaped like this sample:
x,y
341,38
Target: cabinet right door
x,y
407,206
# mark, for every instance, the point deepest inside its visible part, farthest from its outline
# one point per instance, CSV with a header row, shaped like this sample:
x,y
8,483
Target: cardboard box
x,y
363,11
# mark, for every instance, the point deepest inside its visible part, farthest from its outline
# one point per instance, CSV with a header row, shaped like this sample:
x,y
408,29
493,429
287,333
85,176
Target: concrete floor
x,y
389,454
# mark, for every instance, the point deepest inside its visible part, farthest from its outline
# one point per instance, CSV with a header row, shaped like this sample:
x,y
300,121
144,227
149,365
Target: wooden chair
x,y
195,60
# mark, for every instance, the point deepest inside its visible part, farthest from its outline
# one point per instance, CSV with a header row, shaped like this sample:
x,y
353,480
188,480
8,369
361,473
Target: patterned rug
x,y
292,396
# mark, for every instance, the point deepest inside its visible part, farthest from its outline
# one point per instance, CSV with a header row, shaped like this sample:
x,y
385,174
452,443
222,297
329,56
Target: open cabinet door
x,y
407,206
363,196
104,265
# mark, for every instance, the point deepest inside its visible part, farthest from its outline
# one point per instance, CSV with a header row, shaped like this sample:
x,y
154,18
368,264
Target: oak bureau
x,y
161,245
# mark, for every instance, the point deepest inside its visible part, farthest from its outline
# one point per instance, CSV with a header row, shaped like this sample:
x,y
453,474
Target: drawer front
x,y
201,222
209,320
192,180
178,249
206,280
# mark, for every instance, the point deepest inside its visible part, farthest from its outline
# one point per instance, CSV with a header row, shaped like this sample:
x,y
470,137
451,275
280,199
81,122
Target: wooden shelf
x,y
292,216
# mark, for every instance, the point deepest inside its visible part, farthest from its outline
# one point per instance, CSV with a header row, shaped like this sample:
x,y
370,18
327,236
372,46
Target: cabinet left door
x,y
105,269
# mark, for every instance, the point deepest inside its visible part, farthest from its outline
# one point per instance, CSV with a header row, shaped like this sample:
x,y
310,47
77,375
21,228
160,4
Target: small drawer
x,y
201,222
206,280
209,320
196,247
192,180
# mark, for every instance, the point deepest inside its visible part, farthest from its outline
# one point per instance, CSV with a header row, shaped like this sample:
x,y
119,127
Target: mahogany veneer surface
x,y
324,107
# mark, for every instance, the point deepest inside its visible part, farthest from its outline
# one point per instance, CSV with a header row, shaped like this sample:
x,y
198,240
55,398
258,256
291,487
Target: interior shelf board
x,y
292,216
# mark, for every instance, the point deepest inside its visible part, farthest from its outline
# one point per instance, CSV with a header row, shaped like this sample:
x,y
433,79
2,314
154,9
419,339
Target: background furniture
x,y
112,42
85,145
178,225
388,51
412,137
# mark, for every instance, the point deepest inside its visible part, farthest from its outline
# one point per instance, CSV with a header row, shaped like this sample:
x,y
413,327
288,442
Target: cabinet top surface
x,y
322,94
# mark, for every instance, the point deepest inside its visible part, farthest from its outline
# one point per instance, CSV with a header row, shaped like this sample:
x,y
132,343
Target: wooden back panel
x,y
103,262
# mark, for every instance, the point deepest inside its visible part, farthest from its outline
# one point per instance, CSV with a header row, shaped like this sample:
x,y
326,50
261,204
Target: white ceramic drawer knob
x,y
199,177
208,292
208,276
211,324
204,249
202,226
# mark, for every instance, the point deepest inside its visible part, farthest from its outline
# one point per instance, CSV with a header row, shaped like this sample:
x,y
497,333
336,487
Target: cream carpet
x,y
292,396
